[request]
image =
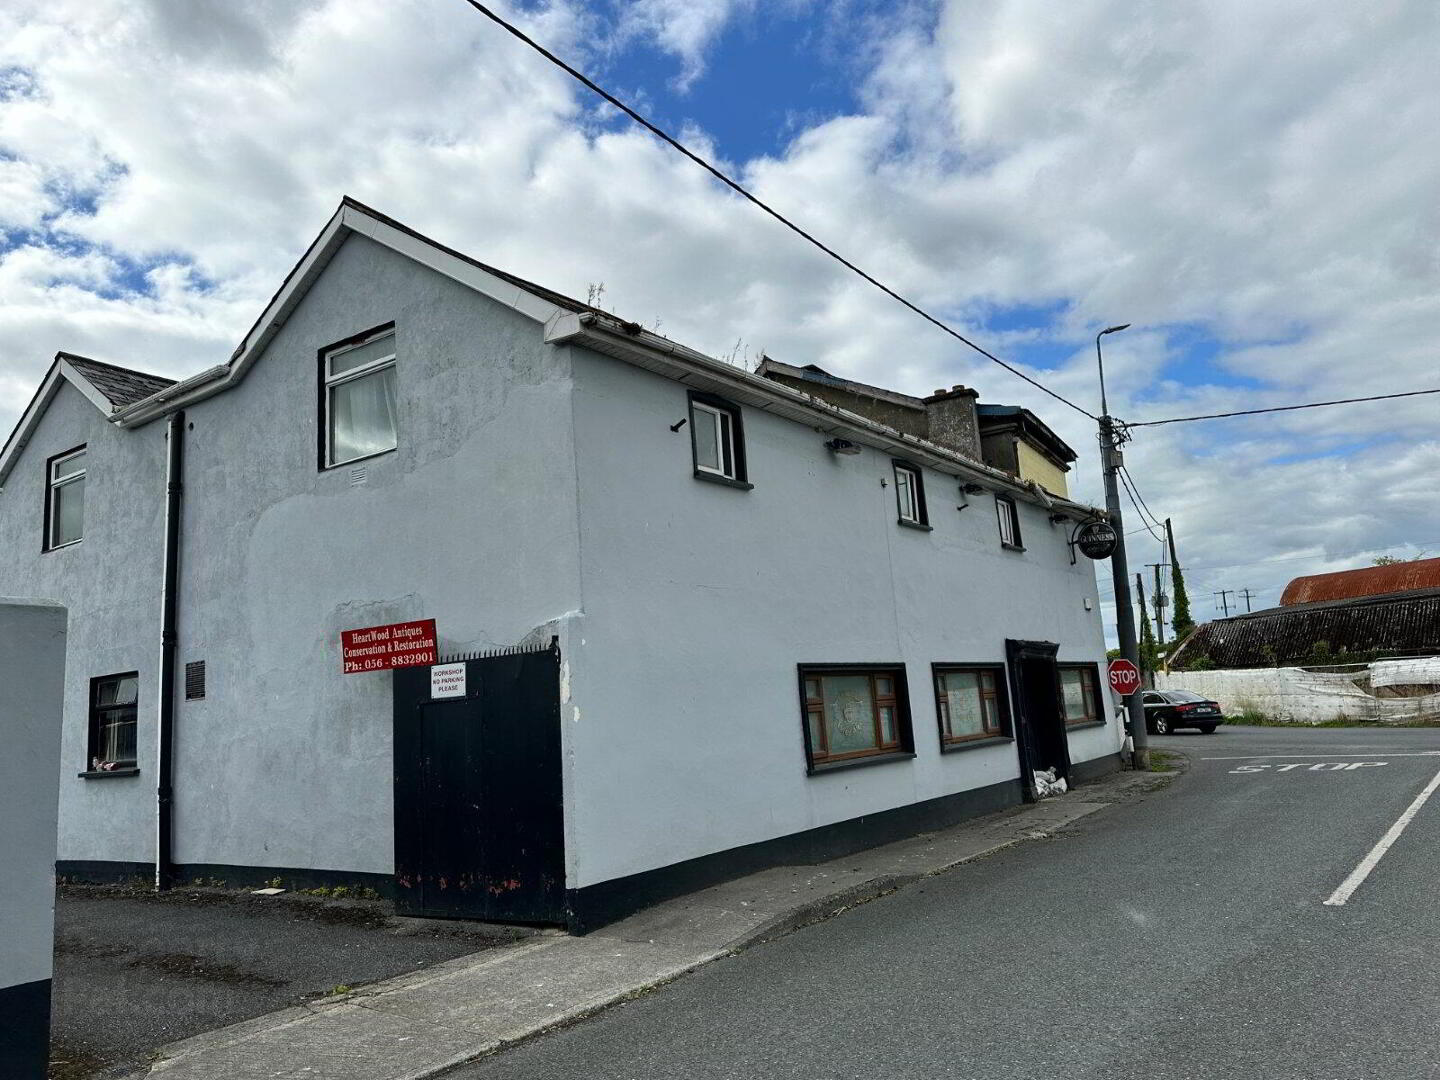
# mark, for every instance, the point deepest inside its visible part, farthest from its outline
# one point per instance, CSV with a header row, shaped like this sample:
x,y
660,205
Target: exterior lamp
x,y
842,446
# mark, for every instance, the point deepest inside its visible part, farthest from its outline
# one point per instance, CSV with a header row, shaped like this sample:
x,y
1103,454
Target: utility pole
x,y
1224,595
1159,602
1140,592
1247,594
1112,459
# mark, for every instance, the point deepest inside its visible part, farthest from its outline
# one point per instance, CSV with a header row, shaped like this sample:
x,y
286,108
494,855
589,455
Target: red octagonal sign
x,y
1124,677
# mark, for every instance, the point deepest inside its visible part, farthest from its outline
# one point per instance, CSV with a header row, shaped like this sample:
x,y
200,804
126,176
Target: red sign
x,y
1124,677
379,648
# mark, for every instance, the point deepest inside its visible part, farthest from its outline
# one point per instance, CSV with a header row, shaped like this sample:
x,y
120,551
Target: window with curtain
x,y
360,400
112,721
65,498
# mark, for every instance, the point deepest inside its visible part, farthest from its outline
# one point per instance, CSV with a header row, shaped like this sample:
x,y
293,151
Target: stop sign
x,y
1124,677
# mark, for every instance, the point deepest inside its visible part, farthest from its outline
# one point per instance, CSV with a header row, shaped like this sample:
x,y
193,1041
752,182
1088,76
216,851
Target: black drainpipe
x,y
165,812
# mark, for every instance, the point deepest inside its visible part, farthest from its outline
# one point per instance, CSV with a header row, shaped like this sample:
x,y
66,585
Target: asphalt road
x,y
134,971
1182,936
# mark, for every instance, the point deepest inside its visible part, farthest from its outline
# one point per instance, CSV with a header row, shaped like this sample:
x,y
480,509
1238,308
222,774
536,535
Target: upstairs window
x,y
1009,522
970,702
65,499
112,722
358,398
854,713
910,495
1080,694
717,440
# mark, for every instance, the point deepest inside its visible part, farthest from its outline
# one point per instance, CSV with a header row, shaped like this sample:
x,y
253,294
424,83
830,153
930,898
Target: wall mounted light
x,y
841,446
973,489
1056,519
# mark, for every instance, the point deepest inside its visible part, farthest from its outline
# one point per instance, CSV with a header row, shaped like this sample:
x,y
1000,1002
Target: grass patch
x,y
1165,760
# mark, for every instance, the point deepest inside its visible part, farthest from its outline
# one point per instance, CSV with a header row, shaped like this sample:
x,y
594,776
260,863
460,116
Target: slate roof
x,y
1396,624
121,386
1366,581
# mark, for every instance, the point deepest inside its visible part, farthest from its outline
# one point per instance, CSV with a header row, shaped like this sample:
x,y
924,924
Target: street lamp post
x,y
1112,459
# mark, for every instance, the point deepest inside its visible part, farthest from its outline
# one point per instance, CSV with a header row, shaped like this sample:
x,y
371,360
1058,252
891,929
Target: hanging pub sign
x,y
1096,539
379,648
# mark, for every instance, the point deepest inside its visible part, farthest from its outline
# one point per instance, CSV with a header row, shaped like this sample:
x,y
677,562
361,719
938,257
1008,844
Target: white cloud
x,y
1264,175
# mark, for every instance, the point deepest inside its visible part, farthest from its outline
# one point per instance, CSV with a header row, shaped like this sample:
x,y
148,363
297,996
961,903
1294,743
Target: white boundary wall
x,y
1304,696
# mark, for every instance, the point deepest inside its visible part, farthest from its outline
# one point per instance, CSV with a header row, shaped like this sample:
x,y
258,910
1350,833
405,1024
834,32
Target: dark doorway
x,y
479,826
1040,737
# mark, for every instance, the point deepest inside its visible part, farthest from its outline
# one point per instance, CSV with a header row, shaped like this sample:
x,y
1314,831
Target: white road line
x,y
1292,757
1367,864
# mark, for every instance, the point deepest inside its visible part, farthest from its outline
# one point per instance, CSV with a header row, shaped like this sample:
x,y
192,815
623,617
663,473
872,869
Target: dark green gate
x,y
479,818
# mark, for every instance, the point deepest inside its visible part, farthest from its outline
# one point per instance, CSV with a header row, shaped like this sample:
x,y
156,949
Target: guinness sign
x,y
1096,540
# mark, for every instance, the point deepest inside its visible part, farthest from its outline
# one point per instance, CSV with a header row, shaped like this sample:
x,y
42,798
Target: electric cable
x,y
1277,408
1128,491
674,143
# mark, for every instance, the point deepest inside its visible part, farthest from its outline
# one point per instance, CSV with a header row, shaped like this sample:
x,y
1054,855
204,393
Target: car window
x,y
1185,695
1152,699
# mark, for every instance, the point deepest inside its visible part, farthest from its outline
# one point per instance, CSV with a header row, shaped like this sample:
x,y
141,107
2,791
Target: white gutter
x,y
635,345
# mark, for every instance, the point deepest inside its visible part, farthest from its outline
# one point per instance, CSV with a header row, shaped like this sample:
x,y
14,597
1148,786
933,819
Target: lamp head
x,y
1115,329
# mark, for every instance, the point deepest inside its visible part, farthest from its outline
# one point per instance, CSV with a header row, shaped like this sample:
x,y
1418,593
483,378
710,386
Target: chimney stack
x,y
950,416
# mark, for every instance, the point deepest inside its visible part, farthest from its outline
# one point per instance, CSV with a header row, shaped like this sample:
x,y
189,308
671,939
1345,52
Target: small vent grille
x,y
195,680
359,475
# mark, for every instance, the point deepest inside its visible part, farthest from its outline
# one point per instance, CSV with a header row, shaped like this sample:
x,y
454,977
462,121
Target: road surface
x,y
1182,936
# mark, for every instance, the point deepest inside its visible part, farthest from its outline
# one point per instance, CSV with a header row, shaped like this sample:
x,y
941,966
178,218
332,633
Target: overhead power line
x,y
1280,408
665,137
1131,492
1136,489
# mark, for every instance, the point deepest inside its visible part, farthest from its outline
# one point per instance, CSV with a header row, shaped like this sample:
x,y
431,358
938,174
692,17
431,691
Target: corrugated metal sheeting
x,y
1402,624
1367,581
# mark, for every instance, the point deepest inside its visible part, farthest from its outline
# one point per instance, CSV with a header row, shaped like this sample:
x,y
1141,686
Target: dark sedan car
x,y
1166,710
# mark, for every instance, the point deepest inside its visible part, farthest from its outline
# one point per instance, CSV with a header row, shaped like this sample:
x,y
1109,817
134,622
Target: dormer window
x,y
359,401
65,499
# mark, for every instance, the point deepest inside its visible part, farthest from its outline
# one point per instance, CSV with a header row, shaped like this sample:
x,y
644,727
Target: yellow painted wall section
x,y
1036,466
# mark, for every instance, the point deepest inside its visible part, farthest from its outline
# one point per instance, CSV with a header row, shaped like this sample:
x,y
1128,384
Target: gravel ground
x,y
135,970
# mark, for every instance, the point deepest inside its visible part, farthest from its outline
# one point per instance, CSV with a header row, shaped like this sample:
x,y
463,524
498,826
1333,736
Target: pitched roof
x,y
1397,624
1366,581
121,386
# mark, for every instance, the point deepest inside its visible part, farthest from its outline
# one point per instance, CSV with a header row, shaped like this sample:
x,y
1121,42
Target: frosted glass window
x,y
1079,694
850,714
969,703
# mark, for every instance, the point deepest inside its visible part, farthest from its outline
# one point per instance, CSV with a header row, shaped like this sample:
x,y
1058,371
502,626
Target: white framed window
x,y
910,495
1009,521
65,499
359,399
717,440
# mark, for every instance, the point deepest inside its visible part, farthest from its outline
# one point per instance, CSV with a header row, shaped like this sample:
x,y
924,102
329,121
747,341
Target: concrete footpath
x,y
421,1024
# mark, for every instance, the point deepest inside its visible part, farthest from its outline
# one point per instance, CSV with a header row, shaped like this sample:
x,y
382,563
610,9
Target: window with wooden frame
x,y
112,722
970,702
1009,518
852,713
910,495
358,405
1080,694
64,499
717,440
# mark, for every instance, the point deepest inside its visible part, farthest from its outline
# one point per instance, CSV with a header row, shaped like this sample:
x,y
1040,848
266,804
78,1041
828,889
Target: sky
x,y
1251,186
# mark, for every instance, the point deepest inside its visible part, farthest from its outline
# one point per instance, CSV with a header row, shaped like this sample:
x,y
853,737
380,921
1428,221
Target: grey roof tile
x,y
121,386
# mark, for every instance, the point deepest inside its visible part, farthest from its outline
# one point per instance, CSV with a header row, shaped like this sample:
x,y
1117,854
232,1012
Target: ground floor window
x,y
970,702
1080,693
854,712
112,721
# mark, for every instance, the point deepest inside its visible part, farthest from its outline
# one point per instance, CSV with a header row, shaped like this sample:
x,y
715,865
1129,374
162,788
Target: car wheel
x,y
1207,729
1161,725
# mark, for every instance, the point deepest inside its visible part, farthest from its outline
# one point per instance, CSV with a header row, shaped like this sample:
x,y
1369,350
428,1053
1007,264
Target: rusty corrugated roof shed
x,y
1400,624
1367,581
